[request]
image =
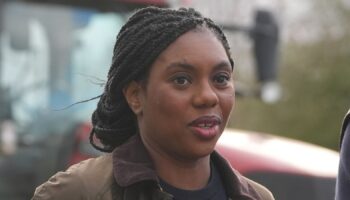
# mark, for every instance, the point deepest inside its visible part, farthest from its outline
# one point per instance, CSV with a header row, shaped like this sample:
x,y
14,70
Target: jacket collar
x,y
236,186
133,164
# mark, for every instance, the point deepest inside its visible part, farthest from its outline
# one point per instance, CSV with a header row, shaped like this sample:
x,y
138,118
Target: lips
x,y
206,127
206,121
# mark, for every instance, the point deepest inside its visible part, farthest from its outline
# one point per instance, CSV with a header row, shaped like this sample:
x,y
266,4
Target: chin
x,y
203,152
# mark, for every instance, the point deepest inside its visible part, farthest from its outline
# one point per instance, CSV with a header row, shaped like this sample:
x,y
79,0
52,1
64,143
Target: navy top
x,y
213,191
343,180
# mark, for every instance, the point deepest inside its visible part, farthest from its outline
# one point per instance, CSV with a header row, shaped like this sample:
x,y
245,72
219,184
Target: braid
x,y
140,41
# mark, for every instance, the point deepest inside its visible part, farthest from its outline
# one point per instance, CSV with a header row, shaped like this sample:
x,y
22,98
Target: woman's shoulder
x,y
347,117
260,189
346,122
87,179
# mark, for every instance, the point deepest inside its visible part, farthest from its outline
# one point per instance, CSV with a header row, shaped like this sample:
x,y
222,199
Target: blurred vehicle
x,y
55,53
291,169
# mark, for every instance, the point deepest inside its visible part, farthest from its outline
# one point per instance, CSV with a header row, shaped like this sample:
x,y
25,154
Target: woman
x,y
343,180
167,100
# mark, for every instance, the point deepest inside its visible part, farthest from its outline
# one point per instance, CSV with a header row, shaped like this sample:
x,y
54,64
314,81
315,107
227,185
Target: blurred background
x,y
313,67
291,74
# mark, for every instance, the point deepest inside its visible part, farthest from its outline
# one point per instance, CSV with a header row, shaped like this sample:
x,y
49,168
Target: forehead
x,y
195,45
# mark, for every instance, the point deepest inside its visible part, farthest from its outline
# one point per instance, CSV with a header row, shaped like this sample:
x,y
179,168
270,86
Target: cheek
x,y
227,103
166,102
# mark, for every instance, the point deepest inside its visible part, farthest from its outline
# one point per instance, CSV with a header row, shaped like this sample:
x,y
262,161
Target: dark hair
x,y
145,35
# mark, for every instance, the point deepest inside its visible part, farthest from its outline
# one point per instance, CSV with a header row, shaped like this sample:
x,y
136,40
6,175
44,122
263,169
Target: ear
x,y
132,94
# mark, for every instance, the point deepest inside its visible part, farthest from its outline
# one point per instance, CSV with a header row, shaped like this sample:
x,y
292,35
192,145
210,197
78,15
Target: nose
x,y
205,96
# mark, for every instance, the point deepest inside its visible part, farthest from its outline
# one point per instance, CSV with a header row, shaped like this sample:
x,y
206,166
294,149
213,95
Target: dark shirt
x,y
343,180
214,189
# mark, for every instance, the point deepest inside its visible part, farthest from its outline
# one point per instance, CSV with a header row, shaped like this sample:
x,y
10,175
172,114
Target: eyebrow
x,y
182,64
223,64
187,66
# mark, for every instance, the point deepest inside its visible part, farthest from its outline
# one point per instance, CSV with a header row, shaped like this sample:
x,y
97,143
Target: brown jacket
x,y
128,174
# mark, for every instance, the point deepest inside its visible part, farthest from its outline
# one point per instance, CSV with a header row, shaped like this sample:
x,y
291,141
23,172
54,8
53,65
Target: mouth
x,y
206,127
206,122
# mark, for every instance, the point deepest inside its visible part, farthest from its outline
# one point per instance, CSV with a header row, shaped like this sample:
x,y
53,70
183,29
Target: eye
x,y
181,80
222,79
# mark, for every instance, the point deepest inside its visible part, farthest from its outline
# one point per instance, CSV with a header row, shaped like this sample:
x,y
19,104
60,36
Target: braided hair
x,y
147,33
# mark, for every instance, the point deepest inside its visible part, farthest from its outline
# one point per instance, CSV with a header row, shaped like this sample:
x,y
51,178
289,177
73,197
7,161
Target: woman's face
x,y
188,97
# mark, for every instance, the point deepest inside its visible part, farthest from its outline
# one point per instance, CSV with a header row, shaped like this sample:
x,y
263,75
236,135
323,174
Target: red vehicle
x,y
291,169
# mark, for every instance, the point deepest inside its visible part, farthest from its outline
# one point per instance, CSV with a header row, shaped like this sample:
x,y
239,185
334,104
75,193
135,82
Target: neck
x,y
188,174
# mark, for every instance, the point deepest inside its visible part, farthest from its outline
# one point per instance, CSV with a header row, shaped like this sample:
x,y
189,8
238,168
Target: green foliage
x,y
316,85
